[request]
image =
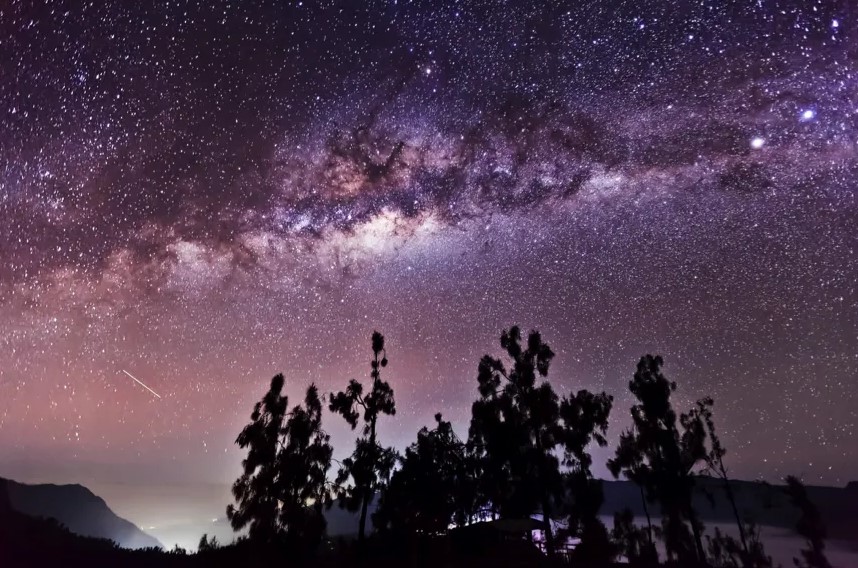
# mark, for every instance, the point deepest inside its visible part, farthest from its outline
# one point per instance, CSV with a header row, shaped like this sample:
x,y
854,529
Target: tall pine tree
x,y
283,487
303,463
257,503
370,464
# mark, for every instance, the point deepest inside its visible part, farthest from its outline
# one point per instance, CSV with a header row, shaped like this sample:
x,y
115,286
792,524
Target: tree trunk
x,y
363,508
646,511
367,493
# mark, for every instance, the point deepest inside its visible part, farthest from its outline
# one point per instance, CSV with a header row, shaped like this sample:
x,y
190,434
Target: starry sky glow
x,y
205,194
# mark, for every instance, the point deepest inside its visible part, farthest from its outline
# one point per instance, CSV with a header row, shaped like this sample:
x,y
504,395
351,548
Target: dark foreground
x,y
29,542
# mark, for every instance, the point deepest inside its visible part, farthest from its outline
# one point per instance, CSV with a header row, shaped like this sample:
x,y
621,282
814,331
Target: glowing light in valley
x,y
141,383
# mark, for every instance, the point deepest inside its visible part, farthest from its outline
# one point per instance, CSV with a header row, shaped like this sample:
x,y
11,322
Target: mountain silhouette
x,y
79,509
766,504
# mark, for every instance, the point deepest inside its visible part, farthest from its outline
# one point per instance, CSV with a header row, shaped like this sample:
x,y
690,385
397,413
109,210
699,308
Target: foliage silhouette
x,y
633,543
304,461
584,418
283,488
748,552
517,427
205,545
370,464
661,452
430,491
629,461
727,552
527,451
257,504
810,525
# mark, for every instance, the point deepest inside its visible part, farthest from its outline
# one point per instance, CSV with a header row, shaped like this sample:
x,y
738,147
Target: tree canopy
x,y
370,464
433,486
283,488
519,427
527,453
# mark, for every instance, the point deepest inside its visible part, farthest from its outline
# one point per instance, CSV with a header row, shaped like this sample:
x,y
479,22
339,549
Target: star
x,y
206,197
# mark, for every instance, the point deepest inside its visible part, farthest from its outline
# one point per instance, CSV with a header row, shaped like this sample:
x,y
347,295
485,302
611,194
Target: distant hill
x,y
86,514
765,504
77,508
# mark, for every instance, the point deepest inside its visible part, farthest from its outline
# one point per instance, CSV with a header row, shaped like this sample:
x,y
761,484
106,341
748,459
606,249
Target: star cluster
x,y
205,194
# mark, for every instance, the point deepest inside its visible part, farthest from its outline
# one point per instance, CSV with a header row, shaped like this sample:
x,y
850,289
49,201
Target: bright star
x,y
809,114
758,143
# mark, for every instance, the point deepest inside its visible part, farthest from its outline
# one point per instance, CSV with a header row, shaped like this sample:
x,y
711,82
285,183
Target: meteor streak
x,y
138,381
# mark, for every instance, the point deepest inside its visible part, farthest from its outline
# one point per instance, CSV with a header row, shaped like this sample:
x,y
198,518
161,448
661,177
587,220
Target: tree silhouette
x,y
205,545
715,463
430,490
282,489
303,463
370,465
749,550
515,426
257,503
727,552
584,417
661,452
629,461
633,543
517,430
810,526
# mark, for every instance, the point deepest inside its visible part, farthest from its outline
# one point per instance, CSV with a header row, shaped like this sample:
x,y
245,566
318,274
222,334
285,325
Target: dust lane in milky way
x,y
212,194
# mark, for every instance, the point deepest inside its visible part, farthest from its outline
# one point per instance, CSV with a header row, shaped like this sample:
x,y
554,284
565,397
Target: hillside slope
x,y
81,511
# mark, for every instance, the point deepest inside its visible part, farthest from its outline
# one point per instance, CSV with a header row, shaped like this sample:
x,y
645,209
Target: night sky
x,y
205,194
